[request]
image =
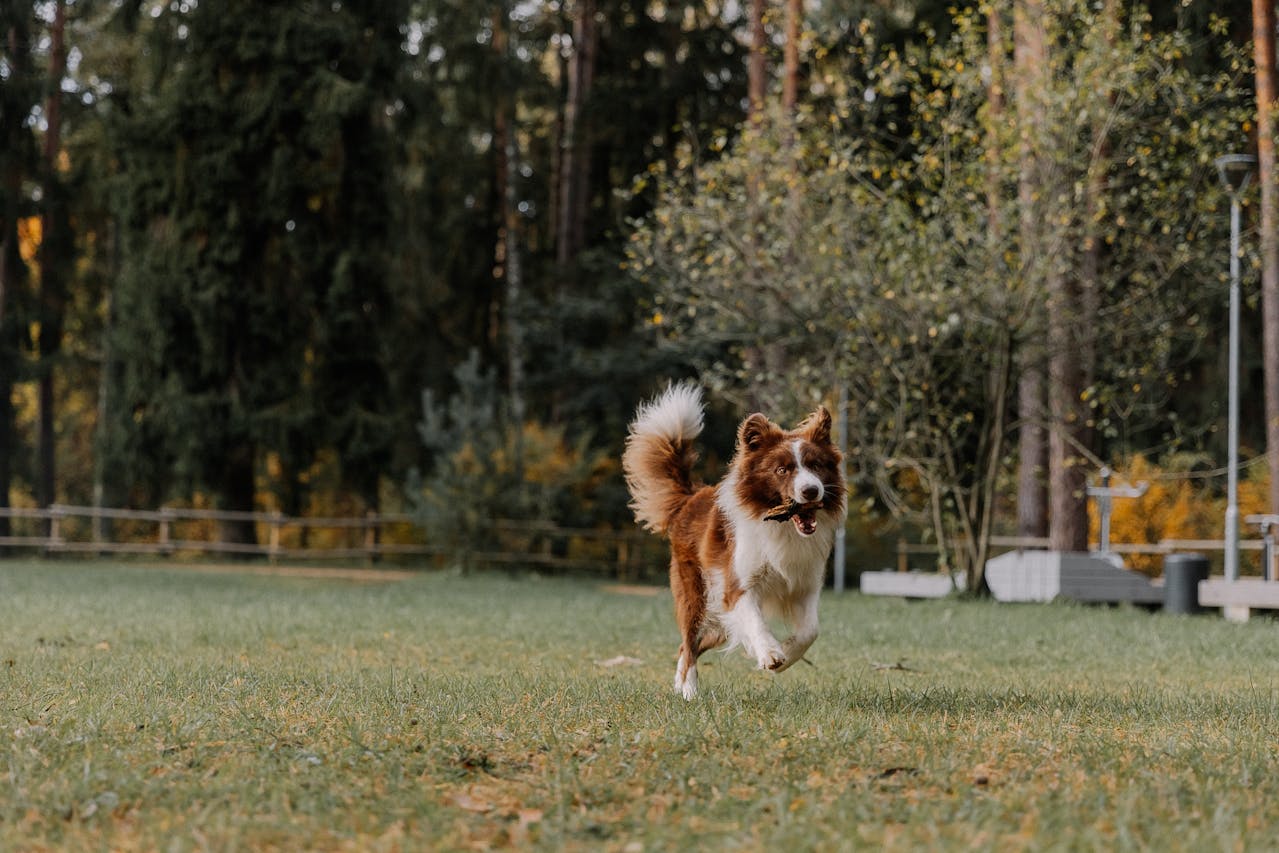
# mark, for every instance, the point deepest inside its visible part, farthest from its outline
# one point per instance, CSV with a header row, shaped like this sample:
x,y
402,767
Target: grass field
x,y
146,708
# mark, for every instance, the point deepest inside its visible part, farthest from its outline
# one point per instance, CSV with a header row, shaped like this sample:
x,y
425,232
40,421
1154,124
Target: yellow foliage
x,y
1175,506
30,234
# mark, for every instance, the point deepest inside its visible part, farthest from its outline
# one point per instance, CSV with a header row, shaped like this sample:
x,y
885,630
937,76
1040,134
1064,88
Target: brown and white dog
x,y
753,547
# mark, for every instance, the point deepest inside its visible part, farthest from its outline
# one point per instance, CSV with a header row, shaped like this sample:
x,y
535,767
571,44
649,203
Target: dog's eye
x,y
783,469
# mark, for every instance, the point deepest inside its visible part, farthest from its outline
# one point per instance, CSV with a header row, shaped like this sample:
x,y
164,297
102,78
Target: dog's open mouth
x,y
805,519
803,516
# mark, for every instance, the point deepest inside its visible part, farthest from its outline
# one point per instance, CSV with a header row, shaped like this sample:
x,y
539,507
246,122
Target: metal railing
x,y
1165,546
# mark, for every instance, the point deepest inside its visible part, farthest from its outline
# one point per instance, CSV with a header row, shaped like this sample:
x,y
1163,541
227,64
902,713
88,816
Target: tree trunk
x,y
757,84
1263,28
1032,452
54,251
1028,59
107,380
1073,322
790,77
575,168
13,271
1066,336
1067,471
995,114
509,253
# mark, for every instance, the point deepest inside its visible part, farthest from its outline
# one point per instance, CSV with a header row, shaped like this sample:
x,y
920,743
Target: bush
x,y
485,468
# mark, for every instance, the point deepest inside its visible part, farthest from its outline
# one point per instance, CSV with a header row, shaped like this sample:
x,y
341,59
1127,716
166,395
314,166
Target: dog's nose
x,y
811,493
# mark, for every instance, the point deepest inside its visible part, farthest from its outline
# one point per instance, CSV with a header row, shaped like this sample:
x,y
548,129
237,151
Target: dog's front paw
x,y
772,659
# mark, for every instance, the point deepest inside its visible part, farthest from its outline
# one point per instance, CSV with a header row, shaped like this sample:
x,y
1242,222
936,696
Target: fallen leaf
x,y
463,800
893,771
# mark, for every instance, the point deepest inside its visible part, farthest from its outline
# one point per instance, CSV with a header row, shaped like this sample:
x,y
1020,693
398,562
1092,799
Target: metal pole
x,y
1268,552
1232,436
1103,510
841,440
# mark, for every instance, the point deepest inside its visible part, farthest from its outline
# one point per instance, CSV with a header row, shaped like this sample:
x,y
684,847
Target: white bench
x,y
1238,598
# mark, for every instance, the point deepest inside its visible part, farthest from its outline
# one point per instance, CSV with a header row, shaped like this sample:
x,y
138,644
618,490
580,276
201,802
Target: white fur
x,y
676,415
781,573
686,680
804,477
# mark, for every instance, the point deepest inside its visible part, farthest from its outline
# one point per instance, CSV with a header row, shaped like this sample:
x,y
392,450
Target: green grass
x,y
145,708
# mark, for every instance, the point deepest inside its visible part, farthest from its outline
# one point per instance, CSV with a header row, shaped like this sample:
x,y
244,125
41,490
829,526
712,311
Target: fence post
x,y
273,547
166,516
623,559
903,561
370,537
54,541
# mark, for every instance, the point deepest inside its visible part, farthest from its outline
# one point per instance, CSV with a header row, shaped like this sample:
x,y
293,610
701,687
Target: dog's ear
x,y
753,431
817,425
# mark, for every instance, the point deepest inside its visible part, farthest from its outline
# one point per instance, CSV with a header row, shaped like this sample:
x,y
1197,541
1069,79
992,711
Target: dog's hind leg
x,y
690,611
694,646
686,673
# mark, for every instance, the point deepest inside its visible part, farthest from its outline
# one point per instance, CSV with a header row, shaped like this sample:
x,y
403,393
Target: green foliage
x,y
156,708
874,244
252,179
485,468
289,220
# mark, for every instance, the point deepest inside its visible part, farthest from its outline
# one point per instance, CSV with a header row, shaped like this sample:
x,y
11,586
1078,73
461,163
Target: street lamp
x,y
1235,171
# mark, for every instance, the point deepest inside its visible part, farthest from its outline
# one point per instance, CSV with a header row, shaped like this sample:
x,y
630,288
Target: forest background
x,y
326,257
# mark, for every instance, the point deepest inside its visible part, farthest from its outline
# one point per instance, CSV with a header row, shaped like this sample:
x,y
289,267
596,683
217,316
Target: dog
x,y
752,547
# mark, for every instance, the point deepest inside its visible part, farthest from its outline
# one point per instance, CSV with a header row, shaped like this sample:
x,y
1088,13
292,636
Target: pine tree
x,y
251,202
19,91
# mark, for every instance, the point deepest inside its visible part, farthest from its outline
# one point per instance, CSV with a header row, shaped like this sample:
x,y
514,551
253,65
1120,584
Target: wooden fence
x,y
625,554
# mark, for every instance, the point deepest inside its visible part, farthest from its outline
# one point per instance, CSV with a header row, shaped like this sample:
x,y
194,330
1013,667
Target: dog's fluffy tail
x,y
659,455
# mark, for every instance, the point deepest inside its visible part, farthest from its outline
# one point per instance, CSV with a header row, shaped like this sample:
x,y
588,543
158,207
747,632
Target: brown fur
x,y
659,476
701,536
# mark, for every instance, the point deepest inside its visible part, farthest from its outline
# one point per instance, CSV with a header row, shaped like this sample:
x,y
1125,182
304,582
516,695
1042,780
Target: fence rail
x,y
372,537
1011,543
626,554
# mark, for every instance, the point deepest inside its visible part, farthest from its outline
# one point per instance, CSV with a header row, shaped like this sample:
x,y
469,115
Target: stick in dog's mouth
x,y
804,515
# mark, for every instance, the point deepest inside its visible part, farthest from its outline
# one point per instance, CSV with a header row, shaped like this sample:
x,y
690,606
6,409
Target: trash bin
x,y
1182,574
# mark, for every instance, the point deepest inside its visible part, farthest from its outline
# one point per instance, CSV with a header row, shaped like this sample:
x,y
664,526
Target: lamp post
x,y
1235,171
841,440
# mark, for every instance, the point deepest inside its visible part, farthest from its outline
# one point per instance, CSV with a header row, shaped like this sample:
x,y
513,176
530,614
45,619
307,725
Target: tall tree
x,y
55,258
790,56
18,94
996,97
509,250
575,167
757,68
1030,66
254,282
1263,29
